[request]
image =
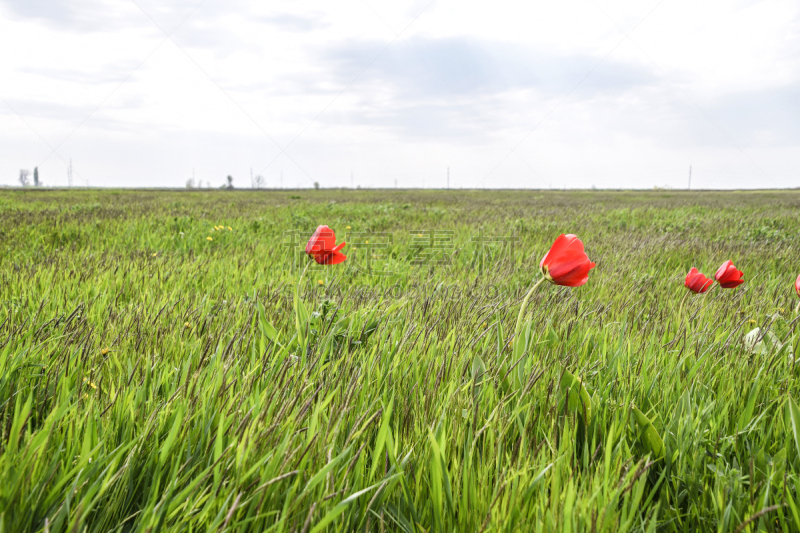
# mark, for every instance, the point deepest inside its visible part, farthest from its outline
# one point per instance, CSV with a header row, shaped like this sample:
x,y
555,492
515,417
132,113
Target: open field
x,y
161,369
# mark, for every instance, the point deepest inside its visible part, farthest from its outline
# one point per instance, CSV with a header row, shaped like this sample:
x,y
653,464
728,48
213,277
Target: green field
x,y
164,367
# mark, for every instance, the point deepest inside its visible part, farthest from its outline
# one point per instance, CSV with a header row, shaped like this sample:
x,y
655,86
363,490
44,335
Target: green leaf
x,y
300,316
478,367
478,373
267,329
173,433
319,476
20,417
342,505
648,435
370,328
794,422
577,395
385,419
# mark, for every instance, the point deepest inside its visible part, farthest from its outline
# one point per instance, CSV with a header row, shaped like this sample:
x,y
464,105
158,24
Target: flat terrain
x,y
165,367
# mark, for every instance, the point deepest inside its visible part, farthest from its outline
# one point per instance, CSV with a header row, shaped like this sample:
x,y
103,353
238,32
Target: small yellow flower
x,y
187,325
104,351
321,282
752,321
230,228
348,227
419,234
781,309
367,241
209,239
155,254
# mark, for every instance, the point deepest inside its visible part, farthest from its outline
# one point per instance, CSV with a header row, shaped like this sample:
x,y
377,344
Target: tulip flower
x,y
728,276
566,263
697,282
322,247
797,289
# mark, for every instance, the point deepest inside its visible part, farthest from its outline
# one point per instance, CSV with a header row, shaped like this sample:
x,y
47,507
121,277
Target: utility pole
x,y
69,173
395,183
252,183
690,177
351,179
281,179
448,177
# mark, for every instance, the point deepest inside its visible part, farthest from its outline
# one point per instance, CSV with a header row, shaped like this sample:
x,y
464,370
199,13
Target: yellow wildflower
x,y
155,254
321,282
230,228
348,227
187,325
104,351
209,239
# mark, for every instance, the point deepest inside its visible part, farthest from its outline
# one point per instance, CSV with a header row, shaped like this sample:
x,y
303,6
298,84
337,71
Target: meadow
x,y
166,364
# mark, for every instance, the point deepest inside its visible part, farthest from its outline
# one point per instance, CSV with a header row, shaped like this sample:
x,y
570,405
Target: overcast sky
x,y
539,94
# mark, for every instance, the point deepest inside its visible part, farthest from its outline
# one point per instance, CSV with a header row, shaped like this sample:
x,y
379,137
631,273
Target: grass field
x,y
164,367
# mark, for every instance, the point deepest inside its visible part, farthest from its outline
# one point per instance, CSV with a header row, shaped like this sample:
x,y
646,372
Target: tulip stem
x,y
680,307
523,307
797,309
303,273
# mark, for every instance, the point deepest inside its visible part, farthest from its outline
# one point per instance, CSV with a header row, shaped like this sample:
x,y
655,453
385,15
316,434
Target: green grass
x,y
152,379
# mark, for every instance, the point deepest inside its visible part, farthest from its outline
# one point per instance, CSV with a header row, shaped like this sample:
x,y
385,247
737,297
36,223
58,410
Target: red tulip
x,y
797,285
697,282
728,276
566,263
322,247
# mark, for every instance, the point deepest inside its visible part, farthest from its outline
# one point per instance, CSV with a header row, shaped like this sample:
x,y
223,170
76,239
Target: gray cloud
x,y
456,88
84,15
110,73
756,116
295,23
105,15
446,67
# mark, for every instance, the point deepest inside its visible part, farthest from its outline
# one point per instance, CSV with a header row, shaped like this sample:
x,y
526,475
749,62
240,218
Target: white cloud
x,y
400,91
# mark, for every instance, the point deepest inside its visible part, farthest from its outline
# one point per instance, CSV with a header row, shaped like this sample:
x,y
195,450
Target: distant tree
x,y
23,177
259,182
316,185
190,183
36,177
229,186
